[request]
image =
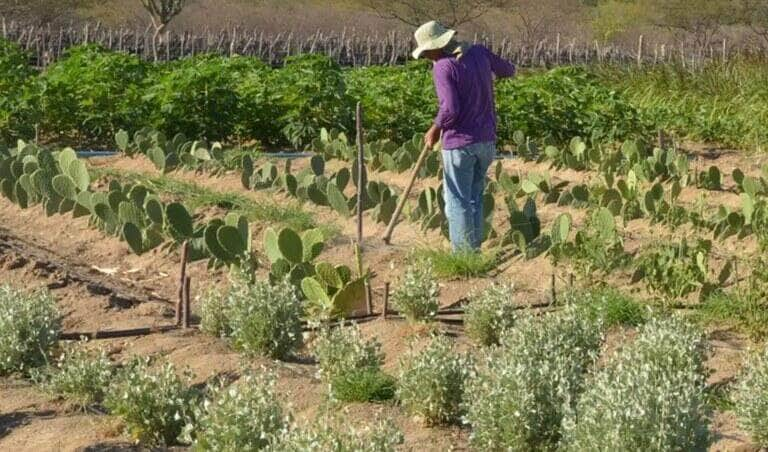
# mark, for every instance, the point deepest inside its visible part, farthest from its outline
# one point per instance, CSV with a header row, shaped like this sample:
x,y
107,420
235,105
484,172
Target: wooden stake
x,y
553,290
386,301
187,283
360,173
182,281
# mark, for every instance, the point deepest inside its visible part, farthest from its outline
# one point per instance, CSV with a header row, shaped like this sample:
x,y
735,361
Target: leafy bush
x,y
259,110
462,264
609,306
321,437
29,328
432,381
242,416
213,312
525,387
17,109
490,313
751,398
152,403
675,269
195,96
350,365
649,397
79,376
93,91
416,295
264,319
312,96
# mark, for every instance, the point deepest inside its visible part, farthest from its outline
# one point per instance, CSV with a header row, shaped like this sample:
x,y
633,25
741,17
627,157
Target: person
x,y
466,119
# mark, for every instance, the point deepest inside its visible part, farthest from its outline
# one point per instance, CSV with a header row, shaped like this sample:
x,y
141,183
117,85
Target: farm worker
x,y
466,119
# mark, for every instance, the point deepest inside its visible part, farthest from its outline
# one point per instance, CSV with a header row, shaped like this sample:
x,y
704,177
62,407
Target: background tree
x,y
700,19
161,13
754,14
451,13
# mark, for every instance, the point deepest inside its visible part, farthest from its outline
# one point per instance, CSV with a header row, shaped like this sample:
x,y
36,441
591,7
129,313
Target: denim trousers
x,y
464,172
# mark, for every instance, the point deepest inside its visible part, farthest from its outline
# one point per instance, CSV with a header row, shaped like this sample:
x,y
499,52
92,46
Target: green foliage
x,y
490,314
213,315
364,385
431,382
264,319
152,403
246,415
291,255
525,387
675,269
349,364
650,396
94,92
79,376
459,265
29,328
18,106
609,306
322,436
415,295
751,397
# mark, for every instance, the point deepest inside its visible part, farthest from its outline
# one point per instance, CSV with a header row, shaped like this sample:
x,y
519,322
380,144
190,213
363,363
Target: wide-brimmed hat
x,y
431,36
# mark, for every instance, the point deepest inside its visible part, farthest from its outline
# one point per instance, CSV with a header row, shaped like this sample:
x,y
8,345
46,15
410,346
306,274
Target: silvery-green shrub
x,y
153,403
416,294
213,316
343,351
29,328
431,381
79,376
751,398
264,319
490,313
242,416
649,397
382,436
524,388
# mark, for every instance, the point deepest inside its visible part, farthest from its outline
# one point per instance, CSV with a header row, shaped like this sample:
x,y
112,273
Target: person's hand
x,y
432,137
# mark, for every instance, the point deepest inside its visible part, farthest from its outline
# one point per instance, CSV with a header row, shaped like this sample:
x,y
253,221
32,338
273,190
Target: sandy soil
x,y
116,289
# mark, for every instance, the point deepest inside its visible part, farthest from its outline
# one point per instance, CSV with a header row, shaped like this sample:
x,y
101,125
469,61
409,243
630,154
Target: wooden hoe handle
x,y
419,163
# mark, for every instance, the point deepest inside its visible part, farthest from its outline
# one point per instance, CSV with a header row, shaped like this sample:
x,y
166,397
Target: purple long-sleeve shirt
x,y
464,86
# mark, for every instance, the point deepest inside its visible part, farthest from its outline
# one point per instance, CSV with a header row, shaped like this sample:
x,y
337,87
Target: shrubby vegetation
x,y
416,293
79,376
29,328
152,402
649,397
322,436
525,388
609,306
431,383
751,397
490,313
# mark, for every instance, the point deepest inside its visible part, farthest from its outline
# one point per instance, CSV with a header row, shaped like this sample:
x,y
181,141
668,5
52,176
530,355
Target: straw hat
x,y
432,36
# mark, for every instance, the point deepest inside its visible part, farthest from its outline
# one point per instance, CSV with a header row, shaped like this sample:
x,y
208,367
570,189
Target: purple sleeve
x,y
447,95
501,67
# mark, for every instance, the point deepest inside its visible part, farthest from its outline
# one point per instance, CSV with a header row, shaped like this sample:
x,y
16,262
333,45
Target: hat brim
x,y
434,44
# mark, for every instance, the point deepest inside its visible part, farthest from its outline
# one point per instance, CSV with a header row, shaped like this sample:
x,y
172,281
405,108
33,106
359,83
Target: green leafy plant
x,y
609,306
431,381
463,264
79,376
332,291
153,403
291,254
322,435
490,313
523,389
246,415
264,318
751,397
675,269
416,294
29,328
649,397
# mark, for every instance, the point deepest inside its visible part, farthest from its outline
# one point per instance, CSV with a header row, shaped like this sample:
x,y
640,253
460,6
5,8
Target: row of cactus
x,y
168,155
61,183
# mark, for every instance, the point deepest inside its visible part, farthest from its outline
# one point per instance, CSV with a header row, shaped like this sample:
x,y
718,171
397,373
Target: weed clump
x,y
526,386
152,403
751,398
465,264
649,397
490,313
416,294
80,376
351,366
242,416
609,306
29,328
432,381
322,436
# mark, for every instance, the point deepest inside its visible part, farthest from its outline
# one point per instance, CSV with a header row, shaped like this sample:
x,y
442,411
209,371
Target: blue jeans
x,y
463,185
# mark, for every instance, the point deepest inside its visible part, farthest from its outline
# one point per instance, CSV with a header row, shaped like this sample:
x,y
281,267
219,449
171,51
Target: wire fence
x,y
353,48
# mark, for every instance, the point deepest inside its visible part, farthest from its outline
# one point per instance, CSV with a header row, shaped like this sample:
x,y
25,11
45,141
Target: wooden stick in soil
x,y
187,284
393,222
182,279
386,301
553,290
